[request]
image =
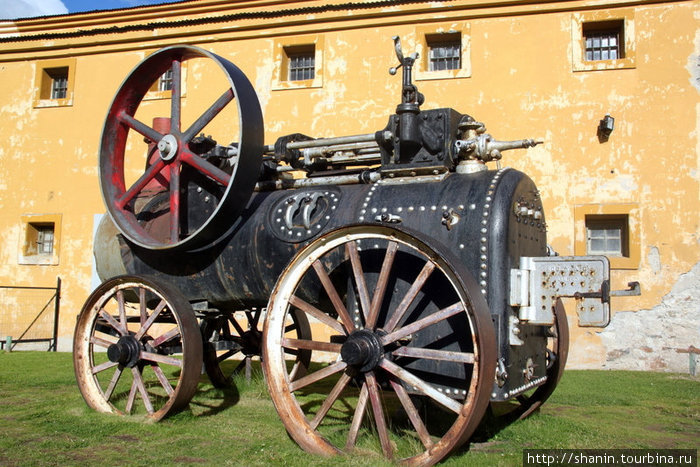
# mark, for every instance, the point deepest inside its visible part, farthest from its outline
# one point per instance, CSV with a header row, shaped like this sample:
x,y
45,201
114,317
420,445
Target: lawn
x,y
44,421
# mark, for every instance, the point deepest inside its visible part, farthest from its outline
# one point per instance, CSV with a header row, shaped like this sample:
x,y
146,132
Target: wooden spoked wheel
x,y
231,336
526,404
403,348
137,348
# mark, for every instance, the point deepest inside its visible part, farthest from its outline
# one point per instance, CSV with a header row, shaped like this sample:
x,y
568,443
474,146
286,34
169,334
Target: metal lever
x,y
605,292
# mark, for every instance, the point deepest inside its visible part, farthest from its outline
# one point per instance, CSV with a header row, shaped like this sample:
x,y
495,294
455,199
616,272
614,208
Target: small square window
x,y
444,52
54,83
298,62
604,40
39,243
301,64
607,235
39,238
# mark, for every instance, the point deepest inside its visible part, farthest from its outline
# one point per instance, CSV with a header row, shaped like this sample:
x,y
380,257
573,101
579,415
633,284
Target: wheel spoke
x,y
101,342
139,127
333,295
226,355
310,345
253,318
421,386
174,202
317,376
151,319
234,322
434,354
316,313
175,95
208,115
163,379
357,418
378,411
351,249
103,366
138,381
143,313
413,415
400,310
132,396
113,322
330,400
423,323
113,382
206,168
122,310
150,173
174,332
380,289
156,357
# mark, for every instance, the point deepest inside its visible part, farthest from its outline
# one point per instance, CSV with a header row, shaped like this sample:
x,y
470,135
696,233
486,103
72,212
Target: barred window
x,y
444,55
56,82
444,51
604,41
59,86
165,82
301,65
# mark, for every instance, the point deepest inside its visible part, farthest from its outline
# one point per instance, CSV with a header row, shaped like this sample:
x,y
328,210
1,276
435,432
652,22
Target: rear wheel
x,y
402,344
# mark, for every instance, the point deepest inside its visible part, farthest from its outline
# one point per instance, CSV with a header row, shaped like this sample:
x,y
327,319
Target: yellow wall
x,y
524,82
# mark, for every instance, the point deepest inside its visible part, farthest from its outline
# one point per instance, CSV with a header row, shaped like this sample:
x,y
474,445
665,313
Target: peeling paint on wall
x,y
694,63
655,339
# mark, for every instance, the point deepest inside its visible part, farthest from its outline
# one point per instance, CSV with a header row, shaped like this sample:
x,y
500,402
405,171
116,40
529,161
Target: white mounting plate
x,y
538,283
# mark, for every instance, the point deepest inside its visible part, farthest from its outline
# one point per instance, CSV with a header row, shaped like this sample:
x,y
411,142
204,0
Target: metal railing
x,y
16,302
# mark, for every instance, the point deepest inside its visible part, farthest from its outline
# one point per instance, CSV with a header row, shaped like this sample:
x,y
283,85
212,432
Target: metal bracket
x,y
538,283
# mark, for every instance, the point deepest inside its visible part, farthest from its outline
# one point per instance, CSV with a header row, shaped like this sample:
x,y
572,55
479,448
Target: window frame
x,y
32,226
434,34
587,215
47,71
285,49
596,20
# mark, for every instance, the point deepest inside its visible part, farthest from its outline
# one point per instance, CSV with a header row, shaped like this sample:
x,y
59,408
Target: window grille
x,y
444,55
45,239
604,42
301,66
165,82
59,84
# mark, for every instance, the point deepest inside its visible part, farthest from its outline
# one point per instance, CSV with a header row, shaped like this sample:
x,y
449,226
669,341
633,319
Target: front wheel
x,y
137,348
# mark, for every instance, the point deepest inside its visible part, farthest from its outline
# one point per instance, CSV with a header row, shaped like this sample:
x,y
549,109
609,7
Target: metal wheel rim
x,y
103,384
120,120
467,413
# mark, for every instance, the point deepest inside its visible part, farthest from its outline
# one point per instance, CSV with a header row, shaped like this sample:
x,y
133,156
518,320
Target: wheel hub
x,y
167,147
363,350
125,352
251,342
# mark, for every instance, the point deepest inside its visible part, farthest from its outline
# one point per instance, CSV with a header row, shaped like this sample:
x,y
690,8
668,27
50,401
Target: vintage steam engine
x,y
394,290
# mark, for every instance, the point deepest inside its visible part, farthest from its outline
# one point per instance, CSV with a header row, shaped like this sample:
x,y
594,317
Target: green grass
x,y
44,421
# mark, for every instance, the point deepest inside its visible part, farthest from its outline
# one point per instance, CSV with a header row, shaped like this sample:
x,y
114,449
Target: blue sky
x,y
11,9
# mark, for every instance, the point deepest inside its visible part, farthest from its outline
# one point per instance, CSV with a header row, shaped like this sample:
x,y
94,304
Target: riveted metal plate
x,y
301,215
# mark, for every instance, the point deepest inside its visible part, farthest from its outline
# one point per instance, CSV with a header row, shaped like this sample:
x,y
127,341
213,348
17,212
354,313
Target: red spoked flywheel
x,y
193,188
